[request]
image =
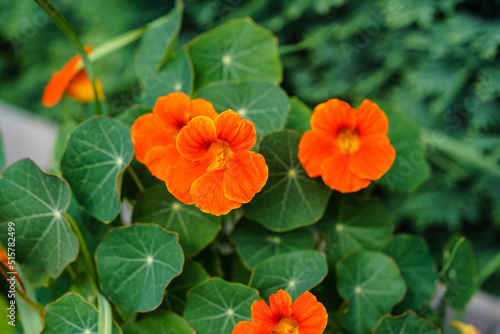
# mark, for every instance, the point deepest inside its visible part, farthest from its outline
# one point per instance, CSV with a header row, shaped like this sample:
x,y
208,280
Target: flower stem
x,y
85,251
489,269
137,181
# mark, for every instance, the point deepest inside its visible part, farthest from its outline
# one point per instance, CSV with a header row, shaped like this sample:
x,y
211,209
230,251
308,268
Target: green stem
x,y
489,269
85,251
35,306
71,272
323,34
137,181
67,30
368,191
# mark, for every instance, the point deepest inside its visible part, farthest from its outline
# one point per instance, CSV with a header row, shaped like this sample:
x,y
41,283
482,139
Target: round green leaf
x,y
351,223
371,282
136,263
264,104
196,229
299,117
410,169
290,199
192,274
417,268
159,322
96,154
256,244
405,323
175,76
36,203
460,272
295,273
72,315
236,51
215,306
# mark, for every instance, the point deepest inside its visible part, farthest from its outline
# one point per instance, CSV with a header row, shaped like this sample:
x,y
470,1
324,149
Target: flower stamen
x,y
348,140
218,155
286,326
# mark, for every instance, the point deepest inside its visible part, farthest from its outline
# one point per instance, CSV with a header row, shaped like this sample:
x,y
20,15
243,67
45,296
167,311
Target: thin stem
x,y
368,191
38,308
83,246
71,272
322,34
137,181
489,269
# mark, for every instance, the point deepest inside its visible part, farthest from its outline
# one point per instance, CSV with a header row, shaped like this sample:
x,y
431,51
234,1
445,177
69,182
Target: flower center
x,y
286,326
218,155
348,140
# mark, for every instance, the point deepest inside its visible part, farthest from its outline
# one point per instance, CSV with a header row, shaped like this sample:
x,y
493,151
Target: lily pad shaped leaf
x,y
299,117
262,103
295,273
290,199
159,322
256,244
237,51
371,282
70,314
33,204
417,268
196,229
136,263
352,223
96,154
405,323
215,306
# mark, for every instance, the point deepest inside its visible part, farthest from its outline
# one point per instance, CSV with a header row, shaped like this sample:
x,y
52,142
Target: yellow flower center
x,y
348,140
218,155
286,326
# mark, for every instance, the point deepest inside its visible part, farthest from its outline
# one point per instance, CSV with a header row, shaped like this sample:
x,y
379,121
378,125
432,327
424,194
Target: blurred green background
x,y
436,61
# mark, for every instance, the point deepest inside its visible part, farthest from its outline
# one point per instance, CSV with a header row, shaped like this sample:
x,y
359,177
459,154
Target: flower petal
x,y
239,133
371,119
149,131
208,193
181,175
247,327
374,158
159,158
174,110
310,314
333,115
336,174
80,88
245,176
60,80
281,304
201,107
194,140
314,148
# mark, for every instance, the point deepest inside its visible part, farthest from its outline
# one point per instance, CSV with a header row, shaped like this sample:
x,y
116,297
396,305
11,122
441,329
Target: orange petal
x,y
336,174
174,110
245,176
314,148
374,158
149,131
194,140
159,159
181,176
371,119
239,133
310,314
208,193
80,88
333,115
201,107
281,304
247,327
263,316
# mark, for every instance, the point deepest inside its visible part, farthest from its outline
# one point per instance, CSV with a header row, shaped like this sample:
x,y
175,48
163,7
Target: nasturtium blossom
x,y
348,147
73,81
219,172
464,328
304,316
154,134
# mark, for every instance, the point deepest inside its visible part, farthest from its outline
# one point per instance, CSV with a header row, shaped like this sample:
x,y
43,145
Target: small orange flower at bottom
x,y
74,81
464,328
304,316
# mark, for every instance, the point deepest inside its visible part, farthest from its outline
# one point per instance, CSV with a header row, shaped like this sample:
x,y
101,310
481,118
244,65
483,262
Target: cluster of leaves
x,y
178,269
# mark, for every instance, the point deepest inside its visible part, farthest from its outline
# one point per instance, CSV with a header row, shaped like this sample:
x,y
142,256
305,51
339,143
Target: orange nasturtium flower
x,y
464,328
154,134
73,80
218,172
304,316
348,147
